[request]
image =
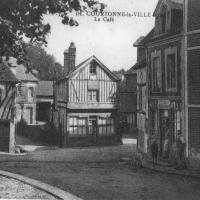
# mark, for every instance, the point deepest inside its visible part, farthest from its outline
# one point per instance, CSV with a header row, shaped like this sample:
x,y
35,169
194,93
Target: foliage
x,y
21,22
44,64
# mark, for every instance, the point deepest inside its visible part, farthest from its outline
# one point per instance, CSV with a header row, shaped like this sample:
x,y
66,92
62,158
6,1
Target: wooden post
x,y
12,138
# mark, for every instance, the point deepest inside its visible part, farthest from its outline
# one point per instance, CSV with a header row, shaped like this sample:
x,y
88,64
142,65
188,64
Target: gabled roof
x,y
44,88
86,62
20,71
174,4
130,71
6,74
139,65
143,39
138,41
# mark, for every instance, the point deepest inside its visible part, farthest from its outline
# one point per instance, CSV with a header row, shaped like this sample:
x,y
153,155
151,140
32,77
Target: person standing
x,y
166,145
181,144
154,152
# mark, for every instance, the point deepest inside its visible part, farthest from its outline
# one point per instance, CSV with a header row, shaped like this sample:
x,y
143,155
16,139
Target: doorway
x,y
93,127
29,115
164,129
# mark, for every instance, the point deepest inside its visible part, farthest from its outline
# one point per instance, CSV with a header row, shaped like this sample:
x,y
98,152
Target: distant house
x,y
128,103
85,102
7,108
26,98
44,101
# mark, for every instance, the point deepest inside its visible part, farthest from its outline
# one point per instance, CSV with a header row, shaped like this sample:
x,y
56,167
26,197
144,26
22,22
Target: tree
x,y
22,20
44,64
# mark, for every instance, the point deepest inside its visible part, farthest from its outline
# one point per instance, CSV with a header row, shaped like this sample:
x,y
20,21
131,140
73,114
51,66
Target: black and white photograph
x,y
100,99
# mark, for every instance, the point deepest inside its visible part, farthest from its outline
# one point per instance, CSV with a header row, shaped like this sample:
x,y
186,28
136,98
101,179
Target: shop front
x,y
165,117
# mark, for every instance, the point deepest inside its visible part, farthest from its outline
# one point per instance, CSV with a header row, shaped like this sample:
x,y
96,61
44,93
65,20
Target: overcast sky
x,y
111,42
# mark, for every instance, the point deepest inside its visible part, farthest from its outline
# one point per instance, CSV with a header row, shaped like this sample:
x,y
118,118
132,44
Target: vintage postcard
x,y
100,100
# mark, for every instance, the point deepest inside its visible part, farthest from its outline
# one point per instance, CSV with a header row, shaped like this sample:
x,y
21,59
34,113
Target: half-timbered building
x,y
7,108
85,101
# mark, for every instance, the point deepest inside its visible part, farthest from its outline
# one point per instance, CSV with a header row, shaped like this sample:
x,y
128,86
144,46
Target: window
x,y
140,98
163,23
106,125
93,95
77,125
171,69
31,91
19,90
93,68
171,72
156,74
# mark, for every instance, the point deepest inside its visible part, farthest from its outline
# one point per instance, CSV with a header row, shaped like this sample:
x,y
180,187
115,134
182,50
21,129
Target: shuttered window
x,y
156,74
171,69
171,72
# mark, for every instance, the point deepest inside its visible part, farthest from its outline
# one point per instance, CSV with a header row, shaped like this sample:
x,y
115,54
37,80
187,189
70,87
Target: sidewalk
x,y
15,186
168,168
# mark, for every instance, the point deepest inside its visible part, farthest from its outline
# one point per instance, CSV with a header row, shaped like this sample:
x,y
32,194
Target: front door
x,y
93,127
164,128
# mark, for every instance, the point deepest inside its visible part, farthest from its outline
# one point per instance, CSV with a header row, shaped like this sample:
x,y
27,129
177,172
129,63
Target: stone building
x,y
164,58
85,102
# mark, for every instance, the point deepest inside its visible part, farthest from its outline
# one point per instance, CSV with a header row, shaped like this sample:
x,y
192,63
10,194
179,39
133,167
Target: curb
x,y
54,191
171,172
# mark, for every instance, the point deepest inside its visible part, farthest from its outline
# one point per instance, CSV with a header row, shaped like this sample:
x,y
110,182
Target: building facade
x,y
142,99
191,95
128,103
85,107
164,70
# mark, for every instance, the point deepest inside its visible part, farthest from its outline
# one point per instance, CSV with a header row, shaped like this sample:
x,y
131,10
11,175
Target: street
x,y
101,177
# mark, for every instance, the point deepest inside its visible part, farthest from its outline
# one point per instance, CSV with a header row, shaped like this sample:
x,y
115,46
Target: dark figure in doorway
x,y
181,150
154,152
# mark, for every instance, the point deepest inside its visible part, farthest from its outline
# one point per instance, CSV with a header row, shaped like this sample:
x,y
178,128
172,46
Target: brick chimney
x,y
69,59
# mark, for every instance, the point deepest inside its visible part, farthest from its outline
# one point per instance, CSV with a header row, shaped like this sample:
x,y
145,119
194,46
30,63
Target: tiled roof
x,y
20,71
44,88
6,74
82,64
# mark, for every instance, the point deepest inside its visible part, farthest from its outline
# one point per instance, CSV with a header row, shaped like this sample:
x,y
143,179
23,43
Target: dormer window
x,y
93,69
169,17
163,18
163,22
